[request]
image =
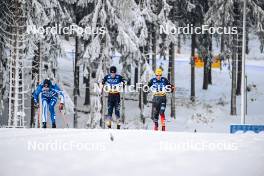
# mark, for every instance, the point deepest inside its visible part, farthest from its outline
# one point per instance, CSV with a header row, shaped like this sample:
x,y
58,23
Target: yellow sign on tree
x,y
199,63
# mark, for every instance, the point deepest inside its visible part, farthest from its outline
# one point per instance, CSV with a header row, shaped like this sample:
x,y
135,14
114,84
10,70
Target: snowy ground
x,y
128,152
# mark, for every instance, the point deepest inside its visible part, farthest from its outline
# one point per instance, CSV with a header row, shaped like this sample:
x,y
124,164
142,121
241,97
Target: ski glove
x,y
61,106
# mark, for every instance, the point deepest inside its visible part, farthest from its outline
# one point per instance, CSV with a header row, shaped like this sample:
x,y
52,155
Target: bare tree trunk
x,y
1,69
222,49
210,65
146,51
123,109
154,47
1,81
172,77
76,64
136,77
179,44
222,45
76,90
170,62
239,60
239,74
247,39
87,99
148,47
141,106
193,68
234,74
235,57
238,20
205,75
210,75
141,97
36,77
233,89
104,68
126,74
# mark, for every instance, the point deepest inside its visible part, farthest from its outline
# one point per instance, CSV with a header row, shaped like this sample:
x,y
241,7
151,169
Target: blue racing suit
x,y
49,97
159,89
114,93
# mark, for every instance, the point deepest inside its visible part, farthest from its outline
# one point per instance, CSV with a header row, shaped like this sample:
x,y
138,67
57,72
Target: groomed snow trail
x,y
128,152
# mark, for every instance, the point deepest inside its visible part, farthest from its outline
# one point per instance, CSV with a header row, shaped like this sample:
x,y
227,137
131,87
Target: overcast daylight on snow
x,y
132,87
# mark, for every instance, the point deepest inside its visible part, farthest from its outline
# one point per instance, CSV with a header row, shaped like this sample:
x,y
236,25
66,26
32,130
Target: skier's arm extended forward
x,y
61,96
150,83
102,84
60,93
36,93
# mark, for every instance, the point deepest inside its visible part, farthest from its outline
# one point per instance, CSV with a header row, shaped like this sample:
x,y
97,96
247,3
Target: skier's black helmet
x,y
113,69
47,81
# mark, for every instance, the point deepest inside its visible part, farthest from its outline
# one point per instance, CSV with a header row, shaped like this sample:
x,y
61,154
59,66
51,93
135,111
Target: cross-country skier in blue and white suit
x,y
49,96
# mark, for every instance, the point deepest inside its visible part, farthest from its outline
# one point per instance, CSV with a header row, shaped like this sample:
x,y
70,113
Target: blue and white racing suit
x,y
49,97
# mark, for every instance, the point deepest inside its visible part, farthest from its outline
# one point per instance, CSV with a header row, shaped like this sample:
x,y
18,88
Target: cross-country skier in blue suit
x,y
114,82
49,96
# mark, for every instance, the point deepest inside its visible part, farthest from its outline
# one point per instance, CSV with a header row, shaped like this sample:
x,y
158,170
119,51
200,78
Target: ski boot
x,y
156,126
118,125
162,118
108,123
44,124
53,125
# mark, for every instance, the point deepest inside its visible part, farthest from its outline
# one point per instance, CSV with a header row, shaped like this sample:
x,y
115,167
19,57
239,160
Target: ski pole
x,y
64,120
38,117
